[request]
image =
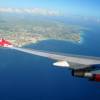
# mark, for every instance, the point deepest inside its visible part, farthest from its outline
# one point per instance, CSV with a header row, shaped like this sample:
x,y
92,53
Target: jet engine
x,y
86,74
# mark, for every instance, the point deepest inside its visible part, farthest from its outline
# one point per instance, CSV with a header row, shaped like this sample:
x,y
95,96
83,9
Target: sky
x,y
75,7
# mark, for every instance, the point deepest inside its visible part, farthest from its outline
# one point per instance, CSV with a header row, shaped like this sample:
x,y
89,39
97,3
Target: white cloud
x,y
31,11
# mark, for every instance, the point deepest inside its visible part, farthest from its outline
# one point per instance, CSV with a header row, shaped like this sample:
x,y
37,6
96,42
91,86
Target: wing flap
x,y
61,64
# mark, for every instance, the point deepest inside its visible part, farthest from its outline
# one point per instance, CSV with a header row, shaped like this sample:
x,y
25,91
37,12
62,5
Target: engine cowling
x,y
86,74
80,73
95,77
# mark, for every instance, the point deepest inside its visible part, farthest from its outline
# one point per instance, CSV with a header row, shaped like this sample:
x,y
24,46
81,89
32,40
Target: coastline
x,y
22,41
81,37
67,40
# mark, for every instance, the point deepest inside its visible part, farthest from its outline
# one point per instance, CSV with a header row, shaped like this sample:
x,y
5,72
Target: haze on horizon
x,y
72,7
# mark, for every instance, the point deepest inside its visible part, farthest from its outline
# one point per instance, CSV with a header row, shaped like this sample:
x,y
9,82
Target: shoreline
x,y
72,41
74,38
81,37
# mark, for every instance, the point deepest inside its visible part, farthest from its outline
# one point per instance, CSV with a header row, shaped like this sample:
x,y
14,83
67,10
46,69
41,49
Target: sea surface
x,y
28,77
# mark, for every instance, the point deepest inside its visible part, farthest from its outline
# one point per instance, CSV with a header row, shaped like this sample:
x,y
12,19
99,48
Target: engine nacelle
x,y
80,73
95,77
86,74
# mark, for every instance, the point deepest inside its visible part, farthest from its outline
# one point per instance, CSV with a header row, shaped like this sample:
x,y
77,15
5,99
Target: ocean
x,y
28,77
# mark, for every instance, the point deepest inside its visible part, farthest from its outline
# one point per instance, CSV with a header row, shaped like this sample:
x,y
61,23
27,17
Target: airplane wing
x,y
81,66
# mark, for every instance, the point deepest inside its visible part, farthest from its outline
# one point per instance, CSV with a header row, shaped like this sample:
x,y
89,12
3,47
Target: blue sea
x,y
28,77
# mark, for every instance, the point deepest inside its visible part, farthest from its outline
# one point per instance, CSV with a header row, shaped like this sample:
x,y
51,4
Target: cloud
x,y
31,11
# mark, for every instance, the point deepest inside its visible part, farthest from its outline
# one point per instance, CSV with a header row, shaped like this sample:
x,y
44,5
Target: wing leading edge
x,y
77,59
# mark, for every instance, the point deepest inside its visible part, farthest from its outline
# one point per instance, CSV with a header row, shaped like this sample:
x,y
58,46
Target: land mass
x,y
22,29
